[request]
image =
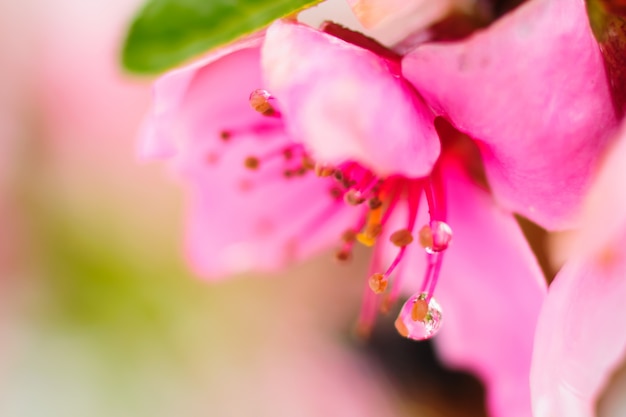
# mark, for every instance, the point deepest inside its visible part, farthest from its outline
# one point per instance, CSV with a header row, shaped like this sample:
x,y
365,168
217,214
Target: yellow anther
x,y
348,235
401,238
426,237
252,162
368,237
374,203
373,228
419,310
401,327
308,163
322,170
378,283
366,240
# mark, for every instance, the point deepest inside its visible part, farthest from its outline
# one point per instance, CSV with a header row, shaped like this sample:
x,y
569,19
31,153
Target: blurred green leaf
x,y
165,33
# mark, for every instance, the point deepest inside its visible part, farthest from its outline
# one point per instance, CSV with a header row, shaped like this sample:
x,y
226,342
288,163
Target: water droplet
x,y
260,102
435,237
419,319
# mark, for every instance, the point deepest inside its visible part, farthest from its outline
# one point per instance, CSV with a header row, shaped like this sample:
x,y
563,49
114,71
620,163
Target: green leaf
x,y
166,33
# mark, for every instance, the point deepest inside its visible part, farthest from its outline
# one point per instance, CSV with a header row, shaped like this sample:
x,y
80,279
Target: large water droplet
x,y
419,318
436,236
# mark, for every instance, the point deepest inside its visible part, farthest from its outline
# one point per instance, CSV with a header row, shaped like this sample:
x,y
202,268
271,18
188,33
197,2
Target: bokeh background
x,y
98,314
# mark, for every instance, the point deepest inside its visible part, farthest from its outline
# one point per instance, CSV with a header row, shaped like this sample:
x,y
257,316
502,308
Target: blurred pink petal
x,y
580,339
347,103
533,91
241,221
239,218
170,92
394,20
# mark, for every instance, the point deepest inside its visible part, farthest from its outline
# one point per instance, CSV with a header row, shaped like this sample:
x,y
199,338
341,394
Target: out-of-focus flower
x,y
580,339
339,104
396,19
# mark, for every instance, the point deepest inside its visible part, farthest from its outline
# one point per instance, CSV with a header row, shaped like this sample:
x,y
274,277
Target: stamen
x,y
260,102
368,237
308,163
343,255
419,309
225,135
336,193
401,238
323,171
413,189
420,317
354,197
435,237
378,283
367,315
252,163
374,203
431,275
348,236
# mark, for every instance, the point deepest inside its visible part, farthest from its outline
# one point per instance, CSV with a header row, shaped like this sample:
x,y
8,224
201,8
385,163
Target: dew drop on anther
x,y
435,237
260,102
419,319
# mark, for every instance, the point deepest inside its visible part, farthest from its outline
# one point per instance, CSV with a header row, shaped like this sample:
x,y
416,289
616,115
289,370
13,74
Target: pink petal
x,y
533,90
345,103
238,219
159,134
239,222
604,213
490,290
580,337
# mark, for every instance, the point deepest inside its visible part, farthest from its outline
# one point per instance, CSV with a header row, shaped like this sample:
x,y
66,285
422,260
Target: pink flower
x,y
540,106
396,19
580,339
342,106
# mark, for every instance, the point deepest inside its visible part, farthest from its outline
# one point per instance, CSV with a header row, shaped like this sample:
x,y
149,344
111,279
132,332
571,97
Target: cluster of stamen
x,y
375,199
421,316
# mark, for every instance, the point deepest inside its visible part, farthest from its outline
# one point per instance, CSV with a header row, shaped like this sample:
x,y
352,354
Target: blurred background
x,y
98,314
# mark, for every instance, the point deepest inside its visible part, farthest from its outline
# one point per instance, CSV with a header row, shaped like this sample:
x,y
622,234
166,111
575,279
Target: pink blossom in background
x,y
530,91
580,340
394,20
